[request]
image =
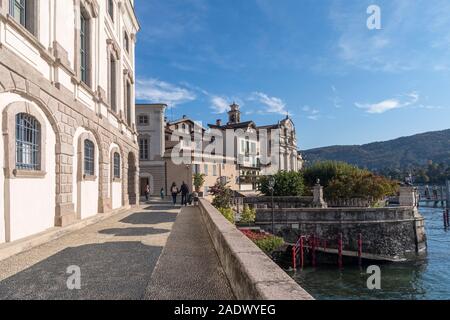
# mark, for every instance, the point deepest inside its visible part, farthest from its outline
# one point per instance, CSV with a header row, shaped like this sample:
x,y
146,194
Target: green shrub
x,y
222,195
269,244
248,215
286,184
228,214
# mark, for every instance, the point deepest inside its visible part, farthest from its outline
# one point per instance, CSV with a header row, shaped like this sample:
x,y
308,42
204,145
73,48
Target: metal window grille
x,y
89,158
28,142
116,165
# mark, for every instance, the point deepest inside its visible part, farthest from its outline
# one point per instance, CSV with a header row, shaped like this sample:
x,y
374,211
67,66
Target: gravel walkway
x,y
116,259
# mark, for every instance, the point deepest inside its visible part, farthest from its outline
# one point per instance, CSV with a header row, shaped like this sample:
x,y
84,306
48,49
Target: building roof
x,y
184,120
152,105
239,125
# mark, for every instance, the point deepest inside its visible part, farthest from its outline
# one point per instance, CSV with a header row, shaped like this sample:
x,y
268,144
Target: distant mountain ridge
x,y
416,150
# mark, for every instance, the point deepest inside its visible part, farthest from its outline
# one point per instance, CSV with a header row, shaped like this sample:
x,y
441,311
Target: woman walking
x,y
174,190
147,192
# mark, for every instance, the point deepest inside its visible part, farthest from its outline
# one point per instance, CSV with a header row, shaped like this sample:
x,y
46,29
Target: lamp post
x,y
271,188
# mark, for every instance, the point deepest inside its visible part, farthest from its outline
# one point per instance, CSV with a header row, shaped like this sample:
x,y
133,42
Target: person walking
x,y
195,198
147,192
184,194
162,194
174,191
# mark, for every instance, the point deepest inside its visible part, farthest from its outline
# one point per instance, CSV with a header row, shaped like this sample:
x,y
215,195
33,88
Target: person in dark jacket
x,y
184,193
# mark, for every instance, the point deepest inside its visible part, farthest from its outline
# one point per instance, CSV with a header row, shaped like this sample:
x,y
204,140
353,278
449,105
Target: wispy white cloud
x,y
219,104
272,104
390,104
401,45
311,113
336,99
157,91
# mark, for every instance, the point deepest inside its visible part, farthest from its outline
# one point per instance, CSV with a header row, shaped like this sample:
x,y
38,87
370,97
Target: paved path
x,y
189,267
117,258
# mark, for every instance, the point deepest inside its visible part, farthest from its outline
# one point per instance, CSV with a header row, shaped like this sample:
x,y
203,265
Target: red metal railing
x,y
311,244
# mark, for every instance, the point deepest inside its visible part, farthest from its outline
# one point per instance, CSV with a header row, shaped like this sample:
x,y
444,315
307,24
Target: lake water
x,y
426,278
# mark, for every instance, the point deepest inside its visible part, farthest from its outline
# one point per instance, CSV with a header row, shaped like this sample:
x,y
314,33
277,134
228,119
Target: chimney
x,y
184,116
218,122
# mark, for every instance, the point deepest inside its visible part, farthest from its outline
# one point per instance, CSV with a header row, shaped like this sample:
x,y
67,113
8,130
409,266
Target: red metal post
x,y
302,248
448,218
360,248
313,248
340,243
445,219
294,257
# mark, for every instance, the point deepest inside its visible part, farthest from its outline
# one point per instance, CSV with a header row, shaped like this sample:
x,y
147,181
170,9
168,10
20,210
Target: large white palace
x,y
69,144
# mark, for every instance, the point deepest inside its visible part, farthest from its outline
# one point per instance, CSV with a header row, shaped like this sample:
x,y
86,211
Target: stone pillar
x,y
318,201
408,197
104,201
65,210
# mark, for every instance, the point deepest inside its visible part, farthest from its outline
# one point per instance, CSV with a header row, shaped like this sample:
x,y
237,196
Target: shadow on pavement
x,y
133,232
162,208
150,218
115,270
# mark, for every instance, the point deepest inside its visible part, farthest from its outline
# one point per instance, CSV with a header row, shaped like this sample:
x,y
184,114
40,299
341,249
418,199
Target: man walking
x,y
184,193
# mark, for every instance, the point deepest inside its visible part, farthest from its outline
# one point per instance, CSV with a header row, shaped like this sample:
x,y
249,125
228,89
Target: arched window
x,y
89,158
28,140
116,165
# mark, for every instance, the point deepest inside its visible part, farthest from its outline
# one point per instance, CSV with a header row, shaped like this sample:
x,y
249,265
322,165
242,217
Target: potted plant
x,y
199,180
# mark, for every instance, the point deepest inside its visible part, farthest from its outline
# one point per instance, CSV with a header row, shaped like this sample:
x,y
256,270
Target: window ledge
x,y
77,80
33,39
28,174
89,178
118,180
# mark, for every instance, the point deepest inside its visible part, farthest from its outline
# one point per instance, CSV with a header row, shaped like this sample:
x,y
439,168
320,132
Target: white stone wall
x,y
28,213
42,70
54,16
86,193
2,191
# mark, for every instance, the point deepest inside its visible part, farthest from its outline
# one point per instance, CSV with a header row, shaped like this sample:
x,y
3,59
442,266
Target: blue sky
x,y
341,82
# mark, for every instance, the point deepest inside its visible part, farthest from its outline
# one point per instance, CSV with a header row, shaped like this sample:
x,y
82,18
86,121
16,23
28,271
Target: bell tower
x,y
234,115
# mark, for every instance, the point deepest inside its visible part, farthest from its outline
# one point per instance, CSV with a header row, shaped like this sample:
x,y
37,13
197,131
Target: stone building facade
x,y
184,134
69,146
150,124
258,150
